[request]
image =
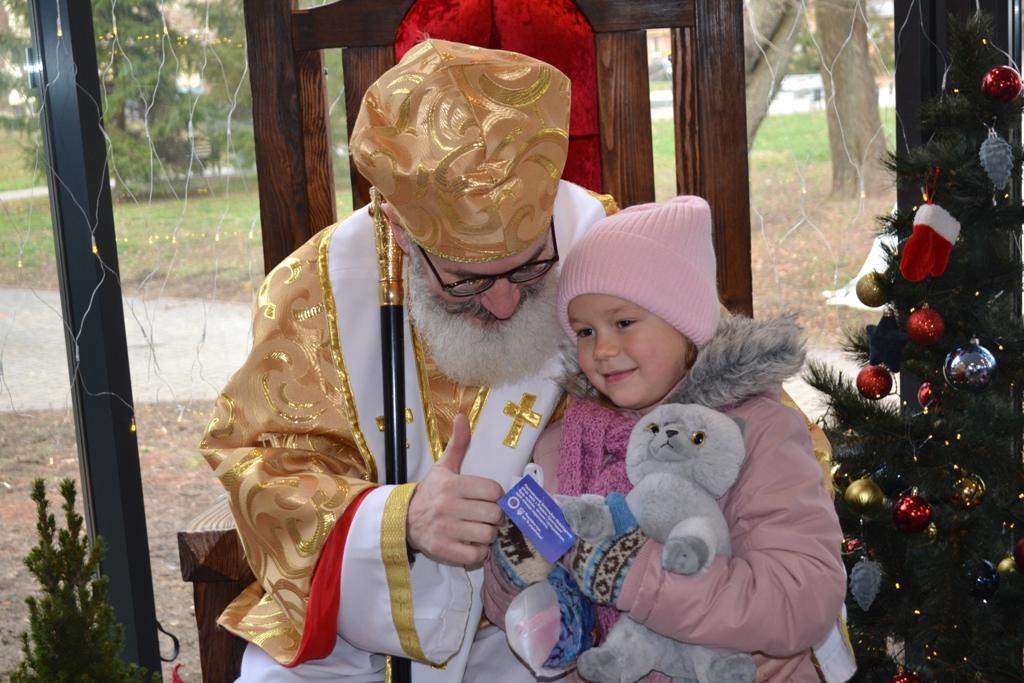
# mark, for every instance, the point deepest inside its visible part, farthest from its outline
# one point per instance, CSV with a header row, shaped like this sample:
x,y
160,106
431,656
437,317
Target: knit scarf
x,y
592,459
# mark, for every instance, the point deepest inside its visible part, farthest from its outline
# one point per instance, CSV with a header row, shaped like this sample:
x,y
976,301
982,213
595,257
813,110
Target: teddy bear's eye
x,y
697,438
652,428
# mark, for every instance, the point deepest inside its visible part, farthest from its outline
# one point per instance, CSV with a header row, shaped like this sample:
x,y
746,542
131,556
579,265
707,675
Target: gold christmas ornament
x,y
863,495
840,479
871,290
467,145
1007,566
968,491
931,532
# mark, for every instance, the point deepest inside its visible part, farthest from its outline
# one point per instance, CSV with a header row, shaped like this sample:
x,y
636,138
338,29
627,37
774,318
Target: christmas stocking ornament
x,y
927,251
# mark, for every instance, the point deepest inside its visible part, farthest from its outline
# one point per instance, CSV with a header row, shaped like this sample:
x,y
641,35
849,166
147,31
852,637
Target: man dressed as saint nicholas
x,y
466,146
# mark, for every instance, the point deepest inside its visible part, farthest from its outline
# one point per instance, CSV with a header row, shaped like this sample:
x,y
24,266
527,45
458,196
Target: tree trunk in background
x,y
770,29
855,131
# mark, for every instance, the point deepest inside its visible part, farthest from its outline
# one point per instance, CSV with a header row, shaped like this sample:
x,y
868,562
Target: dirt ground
x,y
175,479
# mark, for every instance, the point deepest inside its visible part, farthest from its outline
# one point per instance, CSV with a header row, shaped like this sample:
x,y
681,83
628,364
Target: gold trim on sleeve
x,y
339,360
394,553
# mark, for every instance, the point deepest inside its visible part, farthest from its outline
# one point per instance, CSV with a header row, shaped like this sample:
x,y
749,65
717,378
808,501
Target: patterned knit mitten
x,y
600,567
520,562
576,628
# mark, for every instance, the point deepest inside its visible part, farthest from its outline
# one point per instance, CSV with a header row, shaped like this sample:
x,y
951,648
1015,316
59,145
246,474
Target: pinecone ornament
x,y
997,159
865,580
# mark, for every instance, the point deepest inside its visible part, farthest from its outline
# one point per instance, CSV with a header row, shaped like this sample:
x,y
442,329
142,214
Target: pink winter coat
x,y
781,590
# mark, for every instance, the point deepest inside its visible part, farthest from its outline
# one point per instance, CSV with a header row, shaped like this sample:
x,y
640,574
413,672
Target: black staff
x,y
392,335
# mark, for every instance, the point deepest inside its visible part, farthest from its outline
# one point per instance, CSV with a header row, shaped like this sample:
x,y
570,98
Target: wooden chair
x,y
296,175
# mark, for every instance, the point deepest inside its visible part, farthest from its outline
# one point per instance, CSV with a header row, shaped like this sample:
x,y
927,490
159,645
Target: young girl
x,y
638,297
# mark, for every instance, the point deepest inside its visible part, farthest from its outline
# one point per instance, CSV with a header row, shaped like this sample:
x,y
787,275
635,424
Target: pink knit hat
x,y
658,256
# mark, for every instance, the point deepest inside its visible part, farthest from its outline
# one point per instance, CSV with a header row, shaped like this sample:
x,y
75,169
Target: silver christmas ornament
x,y
970,367
865,580
997,159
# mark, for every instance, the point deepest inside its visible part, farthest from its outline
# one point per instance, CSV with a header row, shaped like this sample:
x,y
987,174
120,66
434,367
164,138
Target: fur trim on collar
x,y
745,358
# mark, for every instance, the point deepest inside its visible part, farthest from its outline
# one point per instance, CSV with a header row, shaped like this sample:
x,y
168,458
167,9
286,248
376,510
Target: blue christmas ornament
x,y
970,367
985,580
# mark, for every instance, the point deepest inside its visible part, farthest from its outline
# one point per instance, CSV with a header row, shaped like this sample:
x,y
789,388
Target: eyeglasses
x,y
531,270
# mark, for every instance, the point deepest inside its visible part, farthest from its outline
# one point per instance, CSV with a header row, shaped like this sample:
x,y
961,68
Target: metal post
x,y
87,269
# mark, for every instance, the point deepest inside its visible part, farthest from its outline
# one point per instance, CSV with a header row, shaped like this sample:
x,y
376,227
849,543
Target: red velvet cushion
x,y
462,21
554,31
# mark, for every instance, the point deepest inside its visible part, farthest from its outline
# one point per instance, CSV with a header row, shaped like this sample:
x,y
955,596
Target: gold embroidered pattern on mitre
x,y
453,136
282,444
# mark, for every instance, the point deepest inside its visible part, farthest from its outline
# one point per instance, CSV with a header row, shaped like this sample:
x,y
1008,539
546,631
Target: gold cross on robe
x,y
521,415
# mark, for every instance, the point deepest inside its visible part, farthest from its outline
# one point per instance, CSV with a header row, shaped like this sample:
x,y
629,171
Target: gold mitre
x,y
467,145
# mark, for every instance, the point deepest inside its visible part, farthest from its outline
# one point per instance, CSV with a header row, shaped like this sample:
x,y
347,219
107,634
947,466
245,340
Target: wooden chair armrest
x,y
213,561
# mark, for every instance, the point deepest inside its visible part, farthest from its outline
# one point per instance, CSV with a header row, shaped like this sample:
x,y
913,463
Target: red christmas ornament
x,y
925,326
1001,83
874,382
912,514
906,677
1018,554
926,395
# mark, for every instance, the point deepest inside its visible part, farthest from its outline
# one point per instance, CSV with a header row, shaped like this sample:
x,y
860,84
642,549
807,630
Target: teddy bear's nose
x,y
671,432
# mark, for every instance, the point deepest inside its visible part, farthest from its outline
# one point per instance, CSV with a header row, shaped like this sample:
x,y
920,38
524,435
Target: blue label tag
x,y
538,516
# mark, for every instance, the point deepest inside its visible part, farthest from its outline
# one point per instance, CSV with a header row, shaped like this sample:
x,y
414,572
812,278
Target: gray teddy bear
x,y
680,459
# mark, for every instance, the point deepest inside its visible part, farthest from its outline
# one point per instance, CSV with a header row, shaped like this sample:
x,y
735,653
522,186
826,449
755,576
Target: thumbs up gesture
x,y
453,517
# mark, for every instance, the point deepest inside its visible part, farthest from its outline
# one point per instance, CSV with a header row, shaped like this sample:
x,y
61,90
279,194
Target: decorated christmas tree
x,y
72,634
931,484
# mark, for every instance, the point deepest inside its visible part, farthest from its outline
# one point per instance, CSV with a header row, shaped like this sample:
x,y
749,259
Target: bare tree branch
x,y
770,30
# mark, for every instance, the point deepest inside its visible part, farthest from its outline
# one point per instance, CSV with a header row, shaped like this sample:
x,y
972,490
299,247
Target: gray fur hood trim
x,y
745,358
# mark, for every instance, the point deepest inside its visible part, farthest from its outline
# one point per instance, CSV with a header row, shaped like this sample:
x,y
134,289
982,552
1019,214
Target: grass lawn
x,y
19,170
205,244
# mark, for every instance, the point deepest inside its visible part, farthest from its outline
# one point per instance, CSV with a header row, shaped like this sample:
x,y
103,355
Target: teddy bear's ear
x,y
741,423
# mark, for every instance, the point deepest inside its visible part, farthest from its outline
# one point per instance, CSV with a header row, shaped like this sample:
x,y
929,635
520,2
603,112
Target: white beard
x,y
486,351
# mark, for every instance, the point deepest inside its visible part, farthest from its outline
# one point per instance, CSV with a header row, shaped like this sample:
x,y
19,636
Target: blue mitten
x,y
600,567
576,626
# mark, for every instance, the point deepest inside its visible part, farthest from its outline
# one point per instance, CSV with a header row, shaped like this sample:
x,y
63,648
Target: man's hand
x,y
453,517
